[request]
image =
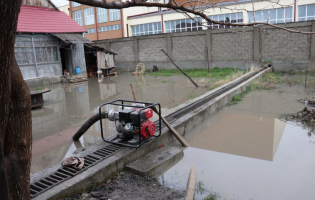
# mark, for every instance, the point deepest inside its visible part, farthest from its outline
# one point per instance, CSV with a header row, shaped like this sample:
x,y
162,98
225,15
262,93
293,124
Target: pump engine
x,y
129,122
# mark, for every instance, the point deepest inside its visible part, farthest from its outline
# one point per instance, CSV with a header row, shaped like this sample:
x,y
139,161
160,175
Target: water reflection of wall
x,y
244,135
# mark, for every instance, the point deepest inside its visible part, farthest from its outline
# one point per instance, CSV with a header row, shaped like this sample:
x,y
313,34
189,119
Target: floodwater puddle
x,y
245,152
68,106
243,135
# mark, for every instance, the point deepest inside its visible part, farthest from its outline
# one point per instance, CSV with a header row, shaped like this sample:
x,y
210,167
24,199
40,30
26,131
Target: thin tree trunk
x,y
15,109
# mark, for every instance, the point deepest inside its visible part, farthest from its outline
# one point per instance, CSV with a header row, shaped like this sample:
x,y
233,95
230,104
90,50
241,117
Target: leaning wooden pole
x,y
133,93
179,68
190,191
173,131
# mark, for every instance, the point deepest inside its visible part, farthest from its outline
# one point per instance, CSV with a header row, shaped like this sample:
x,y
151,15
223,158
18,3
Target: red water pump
x,y
130,119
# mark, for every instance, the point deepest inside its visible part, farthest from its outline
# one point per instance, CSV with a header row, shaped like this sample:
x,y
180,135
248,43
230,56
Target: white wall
x,y
241,7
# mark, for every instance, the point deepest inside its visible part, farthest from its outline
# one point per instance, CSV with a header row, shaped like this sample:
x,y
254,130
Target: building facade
x,y
169,21
107,23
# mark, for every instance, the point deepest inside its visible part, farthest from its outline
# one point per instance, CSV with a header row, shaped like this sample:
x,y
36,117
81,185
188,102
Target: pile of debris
x,y
306,117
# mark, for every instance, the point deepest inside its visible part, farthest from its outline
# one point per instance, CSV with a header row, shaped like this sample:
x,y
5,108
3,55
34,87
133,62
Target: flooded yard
x,y
245,152
68,106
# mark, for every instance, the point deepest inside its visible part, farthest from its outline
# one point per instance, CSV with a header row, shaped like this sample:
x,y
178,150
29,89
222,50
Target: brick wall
x,y
189,48
149,50
237,47
282,45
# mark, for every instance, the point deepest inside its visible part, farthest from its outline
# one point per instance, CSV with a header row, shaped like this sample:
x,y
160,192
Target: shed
x,y
48,42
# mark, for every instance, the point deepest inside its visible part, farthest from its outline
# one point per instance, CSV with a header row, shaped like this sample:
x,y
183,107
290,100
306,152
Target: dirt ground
x,y
128,186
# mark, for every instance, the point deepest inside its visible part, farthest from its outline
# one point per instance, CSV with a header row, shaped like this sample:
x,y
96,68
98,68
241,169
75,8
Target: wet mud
x,y
128,186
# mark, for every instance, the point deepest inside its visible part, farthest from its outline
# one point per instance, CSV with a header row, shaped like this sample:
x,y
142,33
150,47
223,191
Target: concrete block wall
x,y
241,47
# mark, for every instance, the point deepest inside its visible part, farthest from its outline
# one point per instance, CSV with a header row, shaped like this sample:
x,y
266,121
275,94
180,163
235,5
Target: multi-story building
x,y
104,23
234,11
110,23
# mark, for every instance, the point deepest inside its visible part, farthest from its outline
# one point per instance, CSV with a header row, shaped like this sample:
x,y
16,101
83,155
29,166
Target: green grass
x,y
239,97
39,88
192,96
214,72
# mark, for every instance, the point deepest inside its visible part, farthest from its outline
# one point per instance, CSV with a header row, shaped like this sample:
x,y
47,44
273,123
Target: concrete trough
x,y
105,169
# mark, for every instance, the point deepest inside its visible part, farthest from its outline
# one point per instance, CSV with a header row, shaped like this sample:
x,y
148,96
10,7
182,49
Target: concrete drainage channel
x,y
66,173
107,160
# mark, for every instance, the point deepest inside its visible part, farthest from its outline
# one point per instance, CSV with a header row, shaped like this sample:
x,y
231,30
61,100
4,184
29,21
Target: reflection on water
x,y
243,152
288,176
244,135
68,106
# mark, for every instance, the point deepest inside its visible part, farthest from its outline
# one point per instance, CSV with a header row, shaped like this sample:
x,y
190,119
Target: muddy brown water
x,y
68,106
245,152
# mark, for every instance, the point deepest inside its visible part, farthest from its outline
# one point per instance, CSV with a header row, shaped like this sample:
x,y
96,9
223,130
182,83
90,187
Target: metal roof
x,y
72,38
34,19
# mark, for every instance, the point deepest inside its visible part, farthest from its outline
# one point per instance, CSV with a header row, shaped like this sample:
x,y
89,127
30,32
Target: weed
x,y
39,88
200,187
211,197
192,96
214,72
138,85
164,81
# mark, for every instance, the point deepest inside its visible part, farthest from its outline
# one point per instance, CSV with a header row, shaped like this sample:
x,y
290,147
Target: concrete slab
x,y
156,161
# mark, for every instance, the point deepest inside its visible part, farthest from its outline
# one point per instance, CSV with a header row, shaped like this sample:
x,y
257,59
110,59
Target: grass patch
x,y
192,96
164,81
214,72
39,88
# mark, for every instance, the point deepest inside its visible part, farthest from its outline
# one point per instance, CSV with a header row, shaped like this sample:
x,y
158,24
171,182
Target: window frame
x,y
306,13
148,29
75,4
77,18
172,26
114,27
89,16
270,19
114,15
101,15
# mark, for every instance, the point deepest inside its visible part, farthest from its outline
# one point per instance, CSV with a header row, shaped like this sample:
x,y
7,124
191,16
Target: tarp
x,y
105,60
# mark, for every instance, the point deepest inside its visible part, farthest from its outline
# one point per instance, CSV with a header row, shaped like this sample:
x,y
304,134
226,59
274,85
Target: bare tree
x,y
15,104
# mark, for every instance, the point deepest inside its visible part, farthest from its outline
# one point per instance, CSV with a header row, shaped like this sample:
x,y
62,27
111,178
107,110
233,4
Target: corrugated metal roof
x,y
72,38
33,19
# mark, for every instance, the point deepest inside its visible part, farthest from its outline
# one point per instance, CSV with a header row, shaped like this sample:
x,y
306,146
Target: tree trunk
x,y
15,107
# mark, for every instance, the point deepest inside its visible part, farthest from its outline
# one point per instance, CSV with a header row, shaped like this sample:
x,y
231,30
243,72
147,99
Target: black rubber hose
x,y
88,124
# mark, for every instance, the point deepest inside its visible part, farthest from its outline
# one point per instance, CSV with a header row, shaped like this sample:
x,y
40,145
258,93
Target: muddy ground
x,y
128,186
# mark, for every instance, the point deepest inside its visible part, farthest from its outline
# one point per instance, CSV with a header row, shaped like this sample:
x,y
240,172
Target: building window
x,y
146,29
114,14
109,28
75,4
91,30
227,18
102,15
46,51
77,16
183,25
89,16
307,12
272,16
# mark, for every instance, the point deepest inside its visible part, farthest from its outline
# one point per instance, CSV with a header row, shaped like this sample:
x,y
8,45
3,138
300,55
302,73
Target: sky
x,y
59,3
